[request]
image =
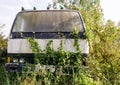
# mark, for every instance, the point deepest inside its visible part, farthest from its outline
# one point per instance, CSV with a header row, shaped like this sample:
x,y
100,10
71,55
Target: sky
x,y
111,9
9,9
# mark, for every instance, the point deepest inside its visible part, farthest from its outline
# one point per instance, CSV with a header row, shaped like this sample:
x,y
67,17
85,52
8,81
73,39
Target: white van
x,y
43,26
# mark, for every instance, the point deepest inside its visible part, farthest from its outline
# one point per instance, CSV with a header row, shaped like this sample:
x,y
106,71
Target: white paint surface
x,y
23,46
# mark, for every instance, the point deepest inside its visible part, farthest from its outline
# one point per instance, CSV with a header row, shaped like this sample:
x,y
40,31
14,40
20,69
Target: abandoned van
x,y
43,26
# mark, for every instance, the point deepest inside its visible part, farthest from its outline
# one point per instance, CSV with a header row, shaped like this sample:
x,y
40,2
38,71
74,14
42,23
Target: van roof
x,y
49,11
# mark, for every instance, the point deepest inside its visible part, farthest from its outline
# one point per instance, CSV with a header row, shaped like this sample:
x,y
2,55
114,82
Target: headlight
x,y
15,60
22,60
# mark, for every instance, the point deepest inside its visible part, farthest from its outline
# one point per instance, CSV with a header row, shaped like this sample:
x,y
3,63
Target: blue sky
x,y
9,9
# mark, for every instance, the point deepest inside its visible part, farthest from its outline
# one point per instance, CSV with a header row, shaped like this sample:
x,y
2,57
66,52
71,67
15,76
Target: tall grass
x,y
68,67
103,63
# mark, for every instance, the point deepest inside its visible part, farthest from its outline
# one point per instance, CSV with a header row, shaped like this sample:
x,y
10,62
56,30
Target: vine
x,y
76,37
65,62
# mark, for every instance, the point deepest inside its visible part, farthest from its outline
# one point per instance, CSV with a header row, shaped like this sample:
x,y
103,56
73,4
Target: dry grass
x,y
28,81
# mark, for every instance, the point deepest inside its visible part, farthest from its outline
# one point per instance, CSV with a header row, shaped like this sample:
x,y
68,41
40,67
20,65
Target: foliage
x,y
75,74
3,46
104,47
104,43
103,61
3,42
68,65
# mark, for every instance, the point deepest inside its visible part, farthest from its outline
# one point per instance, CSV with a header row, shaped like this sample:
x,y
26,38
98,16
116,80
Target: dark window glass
x,y
53,21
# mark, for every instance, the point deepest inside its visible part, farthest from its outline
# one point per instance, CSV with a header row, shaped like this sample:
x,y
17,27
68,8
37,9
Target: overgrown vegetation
x,y
104,47
104,43
103,61
3,46
67,65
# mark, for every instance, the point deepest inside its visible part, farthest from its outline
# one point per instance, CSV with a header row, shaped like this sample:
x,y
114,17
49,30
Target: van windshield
x,y
48,21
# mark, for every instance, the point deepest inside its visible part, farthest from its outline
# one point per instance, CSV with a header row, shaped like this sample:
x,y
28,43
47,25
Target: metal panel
x,y
23,46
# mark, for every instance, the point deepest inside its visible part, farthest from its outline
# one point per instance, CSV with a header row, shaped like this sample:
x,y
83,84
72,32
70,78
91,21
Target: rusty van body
x,y
43,26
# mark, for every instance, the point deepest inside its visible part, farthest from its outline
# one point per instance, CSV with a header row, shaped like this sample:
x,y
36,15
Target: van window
x,y
41,21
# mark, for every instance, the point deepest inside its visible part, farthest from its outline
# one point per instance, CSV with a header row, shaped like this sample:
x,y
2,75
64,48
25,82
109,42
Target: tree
x,y
3,45
104,42
3,42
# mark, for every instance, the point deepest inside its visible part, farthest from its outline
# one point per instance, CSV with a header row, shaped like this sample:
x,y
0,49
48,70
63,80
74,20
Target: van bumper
x,y
13,67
